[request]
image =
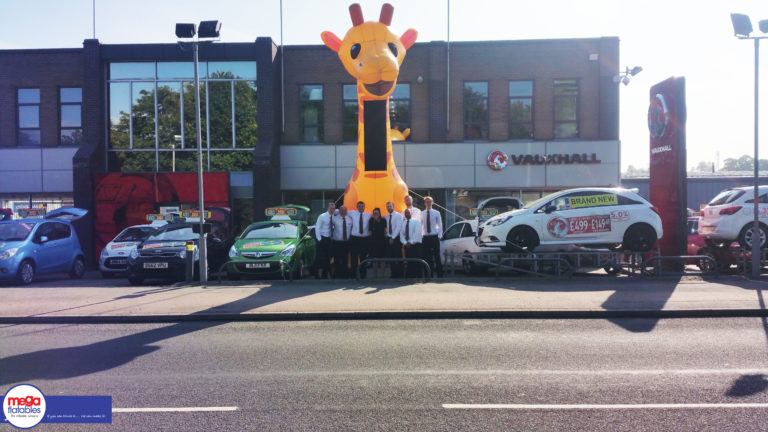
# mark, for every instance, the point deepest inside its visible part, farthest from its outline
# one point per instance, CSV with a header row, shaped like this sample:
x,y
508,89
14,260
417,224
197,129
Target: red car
x,y
725,257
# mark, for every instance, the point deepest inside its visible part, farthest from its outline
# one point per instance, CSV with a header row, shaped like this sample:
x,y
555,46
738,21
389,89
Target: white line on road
x,y
174,409
606,406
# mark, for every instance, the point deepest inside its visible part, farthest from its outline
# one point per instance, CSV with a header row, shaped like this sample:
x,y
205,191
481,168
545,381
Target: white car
x,y
458,239
114,257
587,216
730,215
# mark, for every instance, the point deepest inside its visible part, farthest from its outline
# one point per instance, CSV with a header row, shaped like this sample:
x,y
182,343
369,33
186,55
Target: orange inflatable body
x,y
372,54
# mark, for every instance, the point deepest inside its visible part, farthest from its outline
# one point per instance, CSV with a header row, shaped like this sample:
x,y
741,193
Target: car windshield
x,y
541,200
16,231
272,231
726,197
174,233
134,234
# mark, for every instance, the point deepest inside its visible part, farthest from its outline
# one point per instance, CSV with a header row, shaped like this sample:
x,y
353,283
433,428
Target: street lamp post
x,y
207,29
742,28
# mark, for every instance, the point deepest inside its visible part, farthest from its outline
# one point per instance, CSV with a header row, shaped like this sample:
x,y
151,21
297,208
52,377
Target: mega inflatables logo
x,y
24,406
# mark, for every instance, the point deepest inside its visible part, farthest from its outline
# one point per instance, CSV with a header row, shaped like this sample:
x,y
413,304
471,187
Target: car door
x,y
448,243
46,250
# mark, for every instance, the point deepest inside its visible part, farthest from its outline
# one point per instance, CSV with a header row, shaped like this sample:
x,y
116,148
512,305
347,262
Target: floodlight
x,y
209,29
636,70
742,26
185,30
763,24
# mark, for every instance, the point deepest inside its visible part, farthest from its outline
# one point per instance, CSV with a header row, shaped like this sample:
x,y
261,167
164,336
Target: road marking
x,y
604,406
174,409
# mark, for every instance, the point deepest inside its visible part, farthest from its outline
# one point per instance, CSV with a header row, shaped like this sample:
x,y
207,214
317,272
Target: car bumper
x,y
9,267
724,230
113,264
146,268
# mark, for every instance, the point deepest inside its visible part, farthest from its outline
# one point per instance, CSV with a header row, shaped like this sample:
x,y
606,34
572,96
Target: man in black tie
x,y
410,236
342,227
433,232
359,242
323,234
394,224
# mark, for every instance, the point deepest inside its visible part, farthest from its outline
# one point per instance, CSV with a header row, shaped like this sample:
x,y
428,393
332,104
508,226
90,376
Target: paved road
x,y
679,374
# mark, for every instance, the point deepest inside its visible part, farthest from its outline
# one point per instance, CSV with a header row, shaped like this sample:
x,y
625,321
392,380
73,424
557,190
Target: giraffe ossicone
x,y
372,54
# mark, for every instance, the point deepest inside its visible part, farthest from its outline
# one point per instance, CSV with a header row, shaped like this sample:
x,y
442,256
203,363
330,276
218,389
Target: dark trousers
x,y
413,269
395,250
431,251
359,249
340,259
324,255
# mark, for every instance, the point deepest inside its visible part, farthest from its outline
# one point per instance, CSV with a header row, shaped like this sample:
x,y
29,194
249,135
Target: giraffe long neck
x,y
373,139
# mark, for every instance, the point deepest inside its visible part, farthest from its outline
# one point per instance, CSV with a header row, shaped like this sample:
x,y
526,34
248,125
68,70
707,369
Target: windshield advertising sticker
x,y
591,201
262,243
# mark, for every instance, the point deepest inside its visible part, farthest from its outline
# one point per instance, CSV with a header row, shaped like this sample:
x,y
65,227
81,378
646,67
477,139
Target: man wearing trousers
x,y
410,236
432,229
394,225
360,242
342,227
323,234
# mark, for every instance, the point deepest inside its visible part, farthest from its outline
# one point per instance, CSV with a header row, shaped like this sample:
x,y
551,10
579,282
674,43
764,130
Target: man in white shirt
x,y
394,224
359,243
432,229
410,236
342,227
323,234
415,212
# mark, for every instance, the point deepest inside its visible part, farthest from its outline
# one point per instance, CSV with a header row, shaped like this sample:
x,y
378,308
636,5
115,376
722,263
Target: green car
x,y
280,246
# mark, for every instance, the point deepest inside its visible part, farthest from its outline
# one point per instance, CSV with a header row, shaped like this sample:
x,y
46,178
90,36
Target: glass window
x,y
176,70
476,111
29,117
169,114
143,115
520,109
468,231
71,121
190,133
349,114
119,115
220,106
144,70
246,109
311,113
566,109
232,69
400,112
453,232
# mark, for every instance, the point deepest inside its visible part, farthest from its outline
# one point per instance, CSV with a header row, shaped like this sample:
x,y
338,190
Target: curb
x,y
389,315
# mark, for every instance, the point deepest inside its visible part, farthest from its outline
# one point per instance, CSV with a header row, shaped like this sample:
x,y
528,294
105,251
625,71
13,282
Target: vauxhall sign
x,y
540,159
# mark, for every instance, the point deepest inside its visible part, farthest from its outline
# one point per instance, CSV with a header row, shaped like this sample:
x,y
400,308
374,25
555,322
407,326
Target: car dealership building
x,y
108,127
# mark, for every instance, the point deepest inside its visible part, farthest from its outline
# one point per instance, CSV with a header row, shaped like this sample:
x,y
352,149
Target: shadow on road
x,y
747,385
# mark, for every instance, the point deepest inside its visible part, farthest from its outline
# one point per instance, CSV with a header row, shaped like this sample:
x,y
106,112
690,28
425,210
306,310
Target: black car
x,y
163,254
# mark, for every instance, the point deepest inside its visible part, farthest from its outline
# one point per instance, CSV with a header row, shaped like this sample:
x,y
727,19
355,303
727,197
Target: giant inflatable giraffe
x,y
372,54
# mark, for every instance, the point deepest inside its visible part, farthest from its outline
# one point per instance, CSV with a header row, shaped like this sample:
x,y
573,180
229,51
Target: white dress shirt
x,y
414,231
356,223
323,226
395,221
415,213
435,223
338,227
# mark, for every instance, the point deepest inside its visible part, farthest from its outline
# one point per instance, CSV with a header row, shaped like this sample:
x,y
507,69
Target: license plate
x,y
120,261
706,229
157,265
256,265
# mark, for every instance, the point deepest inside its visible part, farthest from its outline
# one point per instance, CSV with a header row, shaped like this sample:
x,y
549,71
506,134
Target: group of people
x,y
351,236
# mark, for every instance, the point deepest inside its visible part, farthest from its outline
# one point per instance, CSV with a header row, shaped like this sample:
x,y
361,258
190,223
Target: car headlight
x,y
289,251
499,221
8,253
182,254
233,252
104,253
135,253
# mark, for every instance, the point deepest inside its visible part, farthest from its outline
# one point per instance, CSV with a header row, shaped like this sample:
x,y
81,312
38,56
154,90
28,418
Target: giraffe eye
x,y
355,51
393,48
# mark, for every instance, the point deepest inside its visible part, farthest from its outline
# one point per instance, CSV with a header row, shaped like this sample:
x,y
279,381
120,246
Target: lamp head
x,y
185,30
636,70
742,26
209,29
763,24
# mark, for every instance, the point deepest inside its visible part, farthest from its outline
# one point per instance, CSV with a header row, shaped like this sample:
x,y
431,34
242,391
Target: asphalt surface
x,y
401,375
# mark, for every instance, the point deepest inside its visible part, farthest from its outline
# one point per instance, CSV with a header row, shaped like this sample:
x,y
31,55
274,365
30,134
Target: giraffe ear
x,y
331,40
409,38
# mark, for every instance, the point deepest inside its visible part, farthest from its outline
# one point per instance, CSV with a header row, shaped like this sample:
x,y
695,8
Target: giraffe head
x,y
371,52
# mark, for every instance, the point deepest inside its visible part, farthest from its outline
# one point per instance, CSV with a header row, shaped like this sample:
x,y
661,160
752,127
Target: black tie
x,y
331,224
361,223
429,228
407,232
344,229
390,224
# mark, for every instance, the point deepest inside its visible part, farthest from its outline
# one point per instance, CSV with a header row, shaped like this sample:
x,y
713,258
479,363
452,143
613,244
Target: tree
x,y
635,172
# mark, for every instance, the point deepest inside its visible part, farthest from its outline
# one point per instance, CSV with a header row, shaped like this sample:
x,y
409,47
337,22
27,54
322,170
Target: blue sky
x,y
692,39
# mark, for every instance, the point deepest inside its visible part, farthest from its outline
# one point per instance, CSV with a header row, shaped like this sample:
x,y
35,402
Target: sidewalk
x,y
578,297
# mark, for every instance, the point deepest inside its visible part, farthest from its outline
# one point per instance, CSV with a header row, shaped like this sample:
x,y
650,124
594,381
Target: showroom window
x,y
566,109
520,110
349,119
400,111
153,123
476,111
29,116
70,116
311,112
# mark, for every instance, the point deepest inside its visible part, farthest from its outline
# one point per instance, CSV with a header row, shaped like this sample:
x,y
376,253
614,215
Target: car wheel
x,y
469,267
716,244
640,238
612,269
521,239
78,268
136,280
746,235
26,273
706,265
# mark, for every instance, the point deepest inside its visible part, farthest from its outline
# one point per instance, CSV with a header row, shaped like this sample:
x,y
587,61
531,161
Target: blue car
x,y
41,245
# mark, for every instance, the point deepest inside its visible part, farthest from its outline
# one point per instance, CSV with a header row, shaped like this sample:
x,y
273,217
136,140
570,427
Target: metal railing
x,y
562,267
365,262
657,270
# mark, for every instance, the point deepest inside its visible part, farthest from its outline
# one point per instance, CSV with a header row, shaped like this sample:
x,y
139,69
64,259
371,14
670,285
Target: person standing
x,y
342,227
410,236
395,247
379,243
432,230
323,234
360,242
415,212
